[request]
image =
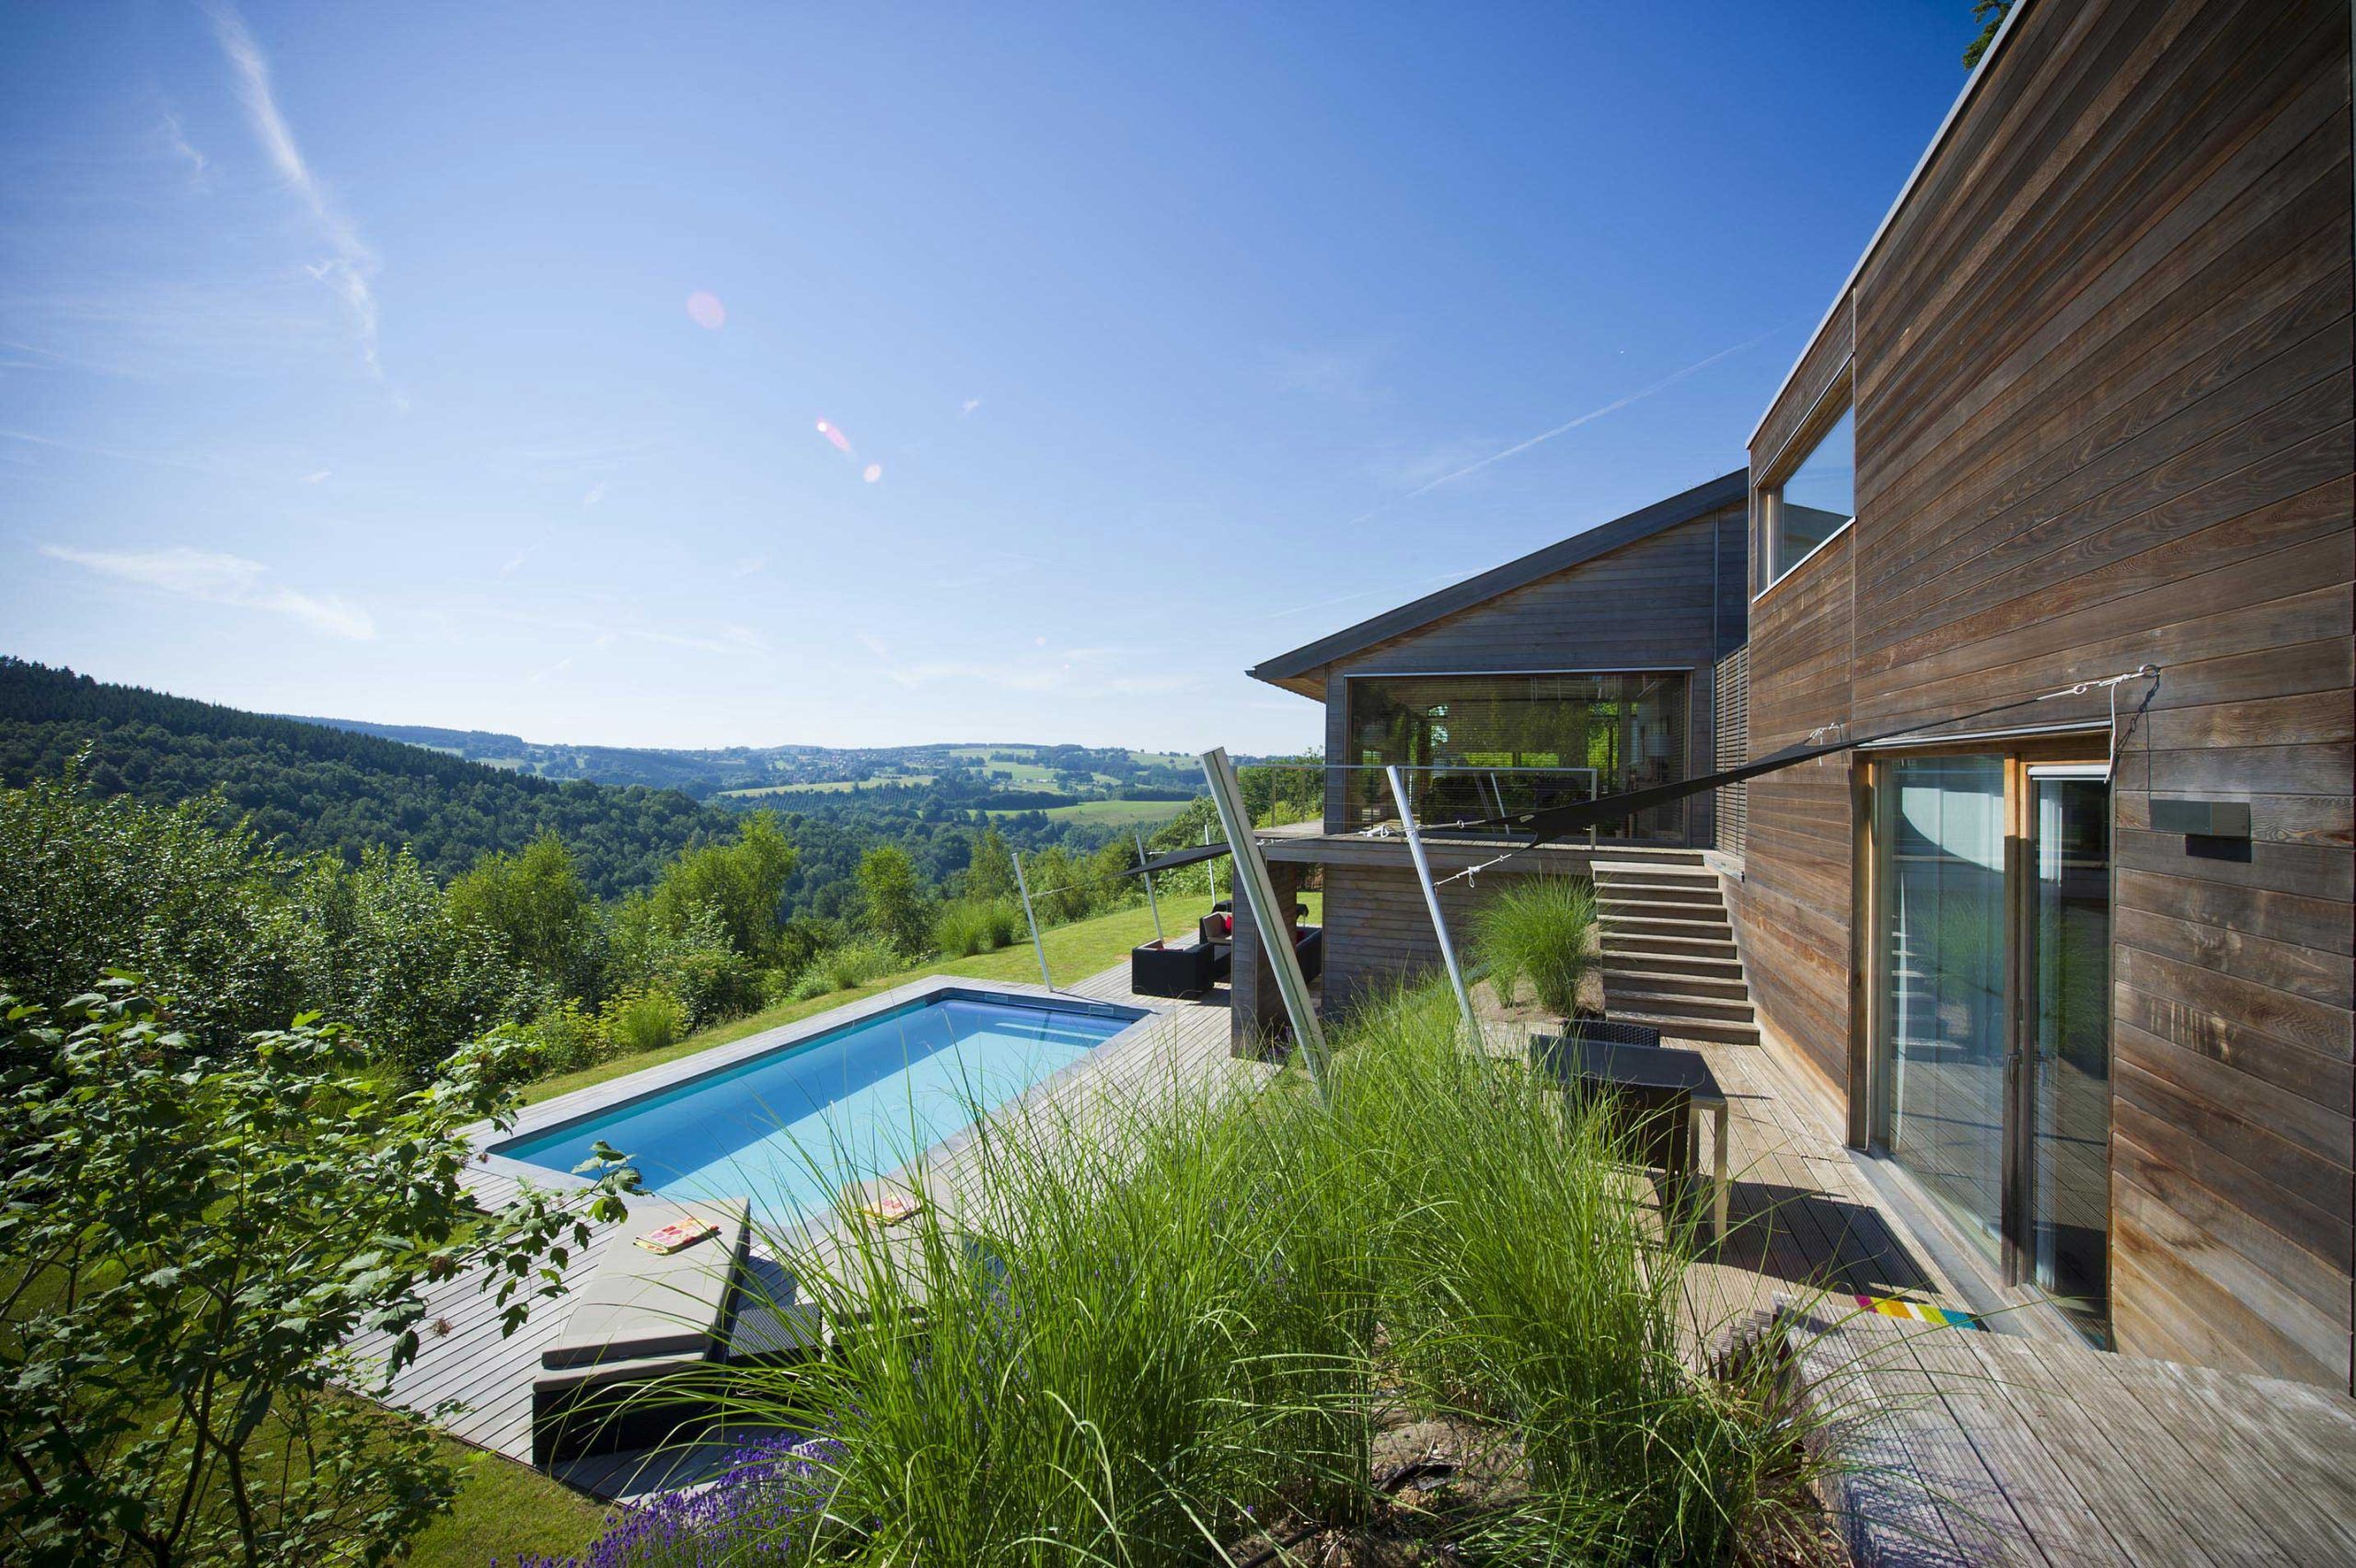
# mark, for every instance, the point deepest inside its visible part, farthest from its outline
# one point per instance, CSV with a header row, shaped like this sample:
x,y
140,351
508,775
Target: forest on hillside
x,y
307,788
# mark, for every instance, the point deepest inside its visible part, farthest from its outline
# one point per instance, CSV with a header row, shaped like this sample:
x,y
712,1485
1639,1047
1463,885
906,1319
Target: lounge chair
x,y
643,1316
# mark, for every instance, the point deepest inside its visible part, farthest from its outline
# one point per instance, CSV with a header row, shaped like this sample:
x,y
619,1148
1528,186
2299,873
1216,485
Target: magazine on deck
x,y
678,1234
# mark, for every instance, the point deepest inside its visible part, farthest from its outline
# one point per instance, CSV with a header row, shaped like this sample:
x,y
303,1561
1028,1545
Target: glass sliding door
x,y
2067,1163
1990,1010
1942,875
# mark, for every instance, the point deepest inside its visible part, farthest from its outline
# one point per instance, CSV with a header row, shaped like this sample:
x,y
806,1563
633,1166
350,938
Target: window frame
x,y
1837,398
1685,673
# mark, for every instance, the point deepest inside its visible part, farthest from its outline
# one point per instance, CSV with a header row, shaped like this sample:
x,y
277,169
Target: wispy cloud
x,y
595,494
351,266
317,475
1110,670
1363,593
968,406
1347,374
748,565
221,579
182,148
1567,426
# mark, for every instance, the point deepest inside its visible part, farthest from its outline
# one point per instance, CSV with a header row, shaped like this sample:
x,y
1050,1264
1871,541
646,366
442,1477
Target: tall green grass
x,y
1165,1328
846,966
968,926
1540,929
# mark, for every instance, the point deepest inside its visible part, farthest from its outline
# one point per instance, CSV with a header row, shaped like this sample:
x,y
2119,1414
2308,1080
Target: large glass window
x,y
1812,502
1480,747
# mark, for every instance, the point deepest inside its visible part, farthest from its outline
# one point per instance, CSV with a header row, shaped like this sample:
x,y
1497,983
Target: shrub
x,y
968,926
564,1037
1540,929
846,966
898,910
647,1018
204,1240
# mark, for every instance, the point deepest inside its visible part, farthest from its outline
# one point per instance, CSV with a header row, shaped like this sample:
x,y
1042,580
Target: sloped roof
x,y
1727,489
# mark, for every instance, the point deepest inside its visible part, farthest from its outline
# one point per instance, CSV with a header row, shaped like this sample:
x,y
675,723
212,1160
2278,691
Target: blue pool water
x,y
789,1127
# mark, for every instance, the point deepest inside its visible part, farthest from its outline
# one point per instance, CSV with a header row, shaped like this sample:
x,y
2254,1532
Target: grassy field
x,y
1108,814
505,1510
1074,952
1028,774
828,786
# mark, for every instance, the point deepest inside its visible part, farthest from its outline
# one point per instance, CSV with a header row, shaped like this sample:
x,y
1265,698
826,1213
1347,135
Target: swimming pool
x,y
791,1125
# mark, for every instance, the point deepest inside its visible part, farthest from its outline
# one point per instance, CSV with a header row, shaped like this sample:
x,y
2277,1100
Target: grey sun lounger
x,y
642,1315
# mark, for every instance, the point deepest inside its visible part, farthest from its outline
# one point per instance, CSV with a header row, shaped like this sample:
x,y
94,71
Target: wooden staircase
x,y
1668,953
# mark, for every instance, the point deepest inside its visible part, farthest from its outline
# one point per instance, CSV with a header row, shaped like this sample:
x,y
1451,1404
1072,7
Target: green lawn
x,y
503,1510
1106,814
1074,952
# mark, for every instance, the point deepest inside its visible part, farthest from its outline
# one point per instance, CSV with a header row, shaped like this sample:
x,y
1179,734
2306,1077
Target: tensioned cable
x,y
1555,820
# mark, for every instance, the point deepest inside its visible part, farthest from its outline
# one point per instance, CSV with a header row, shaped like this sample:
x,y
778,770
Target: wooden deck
x,y
1956,1445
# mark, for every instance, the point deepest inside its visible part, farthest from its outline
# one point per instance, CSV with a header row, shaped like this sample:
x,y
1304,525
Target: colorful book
x,y
678,1235
1919,1311
891,1209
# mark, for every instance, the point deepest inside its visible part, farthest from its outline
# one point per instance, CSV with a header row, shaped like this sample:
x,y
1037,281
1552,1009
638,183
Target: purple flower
x,y
772,1491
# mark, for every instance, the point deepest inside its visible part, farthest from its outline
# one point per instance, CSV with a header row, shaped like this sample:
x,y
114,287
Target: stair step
x,y
1660,1003
1666,863
1657,949
1663,926
1677,1028
1679,981
1651,876
1612,896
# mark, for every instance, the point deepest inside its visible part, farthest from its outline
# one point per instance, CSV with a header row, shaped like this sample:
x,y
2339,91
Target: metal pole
x,y
1253,886
1147,877
1431,901
1023,887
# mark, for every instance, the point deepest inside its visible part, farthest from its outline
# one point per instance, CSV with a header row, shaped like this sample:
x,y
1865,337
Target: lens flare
x,y
873,472
705,311
834,433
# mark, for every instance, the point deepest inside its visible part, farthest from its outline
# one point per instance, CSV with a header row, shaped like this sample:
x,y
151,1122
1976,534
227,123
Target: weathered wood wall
x,y
1670,602
1378,931
2102,363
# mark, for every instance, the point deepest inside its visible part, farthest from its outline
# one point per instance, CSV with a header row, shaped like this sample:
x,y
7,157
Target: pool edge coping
x,y
546,1115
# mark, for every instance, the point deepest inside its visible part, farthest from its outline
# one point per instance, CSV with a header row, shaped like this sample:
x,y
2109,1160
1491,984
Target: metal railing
x,y
1449,799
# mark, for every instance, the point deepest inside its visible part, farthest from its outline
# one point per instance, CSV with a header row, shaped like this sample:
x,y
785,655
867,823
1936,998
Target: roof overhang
x,y
1303,669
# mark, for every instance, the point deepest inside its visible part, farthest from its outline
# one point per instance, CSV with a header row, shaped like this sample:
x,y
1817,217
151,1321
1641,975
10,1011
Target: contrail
x,y
1565,428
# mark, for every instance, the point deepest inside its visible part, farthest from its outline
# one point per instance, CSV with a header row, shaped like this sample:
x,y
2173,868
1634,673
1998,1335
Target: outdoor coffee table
x,y
1653,1081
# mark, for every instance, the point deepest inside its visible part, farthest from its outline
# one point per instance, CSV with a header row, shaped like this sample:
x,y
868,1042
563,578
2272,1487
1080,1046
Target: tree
x,y
536,905
742,880
381,943
88,883
991,873
204,1236
897,909
1994,10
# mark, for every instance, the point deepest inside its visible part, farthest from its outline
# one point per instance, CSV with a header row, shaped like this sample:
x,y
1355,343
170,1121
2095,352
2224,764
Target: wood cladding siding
x,y
1672,601
1378,931
1792,908
2102,364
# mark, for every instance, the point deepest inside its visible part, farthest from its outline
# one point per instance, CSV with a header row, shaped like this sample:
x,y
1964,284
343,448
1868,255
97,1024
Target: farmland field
x,y
830,787
1112,813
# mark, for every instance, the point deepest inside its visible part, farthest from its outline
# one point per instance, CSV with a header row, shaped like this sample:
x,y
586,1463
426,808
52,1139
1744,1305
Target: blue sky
x,y
739,375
